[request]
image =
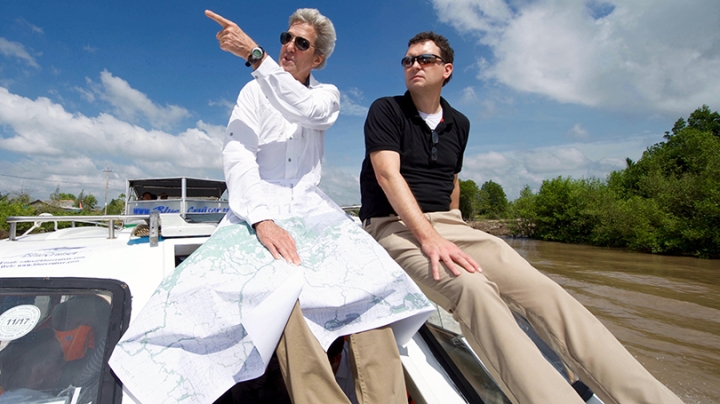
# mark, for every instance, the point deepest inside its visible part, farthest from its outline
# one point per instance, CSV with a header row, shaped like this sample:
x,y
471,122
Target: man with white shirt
x,y
410,205
272,162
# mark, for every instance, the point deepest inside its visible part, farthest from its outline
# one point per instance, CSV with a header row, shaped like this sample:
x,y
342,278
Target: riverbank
x,y
500,228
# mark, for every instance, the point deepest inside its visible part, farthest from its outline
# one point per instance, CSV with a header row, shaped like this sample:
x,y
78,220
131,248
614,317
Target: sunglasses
x,y
301,43
433,151
424,59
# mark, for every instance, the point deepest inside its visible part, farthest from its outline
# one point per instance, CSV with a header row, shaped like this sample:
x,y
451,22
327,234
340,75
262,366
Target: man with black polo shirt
x,y
410,205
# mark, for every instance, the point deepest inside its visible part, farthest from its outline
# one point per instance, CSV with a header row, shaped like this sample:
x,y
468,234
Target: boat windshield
x,y
52,344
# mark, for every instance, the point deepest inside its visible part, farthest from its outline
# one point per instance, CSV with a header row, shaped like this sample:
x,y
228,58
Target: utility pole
x,y
107,172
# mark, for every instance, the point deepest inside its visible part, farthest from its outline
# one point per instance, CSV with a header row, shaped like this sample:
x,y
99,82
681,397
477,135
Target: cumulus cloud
x,y
17,50
578,132
222,102
340,185
513,169
62,146
350,102
131,105
616,54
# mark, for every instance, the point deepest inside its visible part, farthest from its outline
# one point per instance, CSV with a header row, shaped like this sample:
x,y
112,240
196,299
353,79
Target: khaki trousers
x,y
374,358
481,303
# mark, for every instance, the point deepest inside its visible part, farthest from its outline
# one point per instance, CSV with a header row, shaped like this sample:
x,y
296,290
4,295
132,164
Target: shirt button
x,y
289,159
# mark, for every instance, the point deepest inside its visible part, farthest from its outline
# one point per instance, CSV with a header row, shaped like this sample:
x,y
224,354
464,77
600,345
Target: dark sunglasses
x,y
424,59
301,43
434,152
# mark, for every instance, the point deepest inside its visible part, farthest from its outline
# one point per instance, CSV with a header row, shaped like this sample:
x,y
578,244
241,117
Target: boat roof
x,y
195,187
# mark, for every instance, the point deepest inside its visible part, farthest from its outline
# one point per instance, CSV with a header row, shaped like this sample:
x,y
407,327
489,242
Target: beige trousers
x,y
374,358
481,303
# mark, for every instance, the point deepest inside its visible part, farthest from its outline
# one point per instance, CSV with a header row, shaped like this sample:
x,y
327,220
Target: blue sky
x,y
551,87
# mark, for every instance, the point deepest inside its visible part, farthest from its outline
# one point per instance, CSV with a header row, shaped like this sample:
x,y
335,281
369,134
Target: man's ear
x,y
448,70
317,59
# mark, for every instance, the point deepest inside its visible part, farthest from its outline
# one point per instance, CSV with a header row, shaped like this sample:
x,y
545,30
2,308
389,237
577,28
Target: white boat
x,y
82,285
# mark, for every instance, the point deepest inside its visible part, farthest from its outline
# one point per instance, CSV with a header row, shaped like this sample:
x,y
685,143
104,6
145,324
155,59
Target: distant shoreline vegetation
x,y
668,202
59,204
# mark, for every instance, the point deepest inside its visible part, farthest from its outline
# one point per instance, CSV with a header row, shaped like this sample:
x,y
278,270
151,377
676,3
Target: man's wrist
x,y
256,54
254,225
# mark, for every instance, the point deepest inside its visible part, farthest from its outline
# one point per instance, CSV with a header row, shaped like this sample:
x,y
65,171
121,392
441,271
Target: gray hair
x,y
324,30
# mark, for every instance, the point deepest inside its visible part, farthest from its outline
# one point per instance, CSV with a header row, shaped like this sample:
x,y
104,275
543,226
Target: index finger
x,y
218,18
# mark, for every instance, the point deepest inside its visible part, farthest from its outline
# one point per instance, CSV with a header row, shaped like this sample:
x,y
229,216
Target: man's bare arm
x,y
387,171
455,196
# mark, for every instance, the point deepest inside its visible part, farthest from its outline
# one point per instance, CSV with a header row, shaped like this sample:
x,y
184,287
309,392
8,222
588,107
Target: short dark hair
x,y
446,52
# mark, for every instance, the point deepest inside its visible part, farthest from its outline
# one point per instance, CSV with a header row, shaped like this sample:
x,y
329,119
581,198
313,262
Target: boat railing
x,y
110,221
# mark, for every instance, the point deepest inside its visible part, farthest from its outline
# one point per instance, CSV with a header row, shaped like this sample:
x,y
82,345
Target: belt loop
x,y
367,222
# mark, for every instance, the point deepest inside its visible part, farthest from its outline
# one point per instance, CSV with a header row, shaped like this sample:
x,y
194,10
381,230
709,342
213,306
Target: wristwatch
x,y
255,55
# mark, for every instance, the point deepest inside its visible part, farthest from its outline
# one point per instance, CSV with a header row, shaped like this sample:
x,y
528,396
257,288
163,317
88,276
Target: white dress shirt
x,y
274,142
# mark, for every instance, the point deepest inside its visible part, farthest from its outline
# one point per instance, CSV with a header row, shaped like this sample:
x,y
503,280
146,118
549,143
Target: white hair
x,y
324,30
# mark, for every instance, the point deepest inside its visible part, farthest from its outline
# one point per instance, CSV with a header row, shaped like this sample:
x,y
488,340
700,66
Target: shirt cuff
x,y
268,67
258,215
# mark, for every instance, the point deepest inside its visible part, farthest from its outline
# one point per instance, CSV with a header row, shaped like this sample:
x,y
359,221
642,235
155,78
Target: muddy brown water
x,y
665,310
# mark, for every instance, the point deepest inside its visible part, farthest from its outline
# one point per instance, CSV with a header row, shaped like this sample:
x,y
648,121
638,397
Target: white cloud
x,y
17,50
228,105
468,95
578,132
662,55
131,104
62,146
31,27
86,94
350,102
513,169
487,162
340,185
551,160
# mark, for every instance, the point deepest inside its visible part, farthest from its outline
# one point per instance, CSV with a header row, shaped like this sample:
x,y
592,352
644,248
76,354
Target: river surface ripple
x,y
665,310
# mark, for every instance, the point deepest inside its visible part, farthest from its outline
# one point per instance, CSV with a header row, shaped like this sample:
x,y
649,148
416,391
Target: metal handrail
x,y
110,219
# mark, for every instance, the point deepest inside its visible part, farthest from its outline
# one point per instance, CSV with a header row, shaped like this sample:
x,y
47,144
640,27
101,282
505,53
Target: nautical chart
x,y
217,319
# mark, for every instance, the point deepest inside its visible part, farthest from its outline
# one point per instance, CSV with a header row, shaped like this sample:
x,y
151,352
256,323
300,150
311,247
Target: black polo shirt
x,y
393,123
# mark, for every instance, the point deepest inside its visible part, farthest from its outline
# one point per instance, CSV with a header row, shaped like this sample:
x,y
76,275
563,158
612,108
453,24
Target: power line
x,y
45,180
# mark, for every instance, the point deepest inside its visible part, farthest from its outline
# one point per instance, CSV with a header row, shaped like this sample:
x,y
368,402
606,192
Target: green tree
x,y
17,206
666,202
469,193
523,208
705,120
61,196
680,124
116,206
89,202
492,201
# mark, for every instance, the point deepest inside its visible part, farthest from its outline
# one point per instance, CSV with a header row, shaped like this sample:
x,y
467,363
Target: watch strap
x,y
252,58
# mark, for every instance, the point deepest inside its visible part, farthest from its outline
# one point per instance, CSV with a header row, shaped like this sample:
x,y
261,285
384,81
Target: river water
x,y
665,310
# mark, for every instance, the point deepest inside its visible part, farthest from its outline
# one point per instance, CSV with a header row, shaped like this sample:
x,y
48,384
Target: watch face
x,y
257,53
